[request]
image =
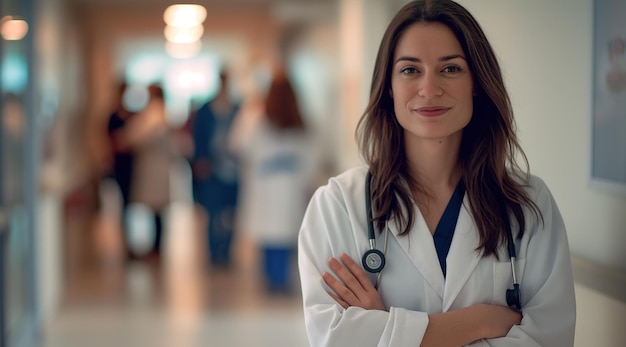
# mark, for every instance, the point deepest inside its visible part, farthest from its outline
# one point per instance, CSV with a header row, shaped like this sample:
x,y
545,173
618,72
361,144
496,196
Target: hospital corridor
x,y
101,112
177,300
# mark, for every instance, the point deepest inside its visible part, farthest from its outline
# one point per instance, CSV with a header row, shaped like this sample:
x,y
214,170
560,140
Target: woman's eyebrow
x,y
418,60
452,56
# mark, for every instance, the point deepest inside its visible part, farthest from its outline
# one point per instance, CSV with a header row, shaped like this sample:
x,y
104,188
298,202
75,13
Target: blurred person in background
x,y
151,139
122,154
277,174
12,145
215,171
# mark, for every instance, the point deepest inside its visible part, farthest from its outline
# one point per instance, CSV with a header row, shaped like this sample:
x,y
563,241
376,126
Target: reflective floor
x,y
177,300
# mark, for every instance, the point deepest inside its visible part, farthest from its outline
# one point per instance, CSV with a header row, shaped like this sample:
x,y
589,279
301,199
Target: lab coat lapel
x,y
420,248
463,257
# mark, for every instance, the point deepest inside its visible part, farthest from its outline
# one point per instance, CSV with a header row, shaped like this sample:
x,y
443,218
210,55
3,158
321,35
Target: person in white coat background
x,y
460,228
278,159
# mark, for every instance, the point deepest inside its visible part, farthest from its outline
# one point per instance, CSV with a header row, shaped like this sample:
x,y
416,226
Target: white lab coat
x,y
412,283
277,178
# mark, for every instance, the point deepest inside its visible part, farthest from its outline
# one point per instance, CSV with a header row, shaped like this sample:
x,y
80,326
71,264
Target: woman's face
x,y
431,84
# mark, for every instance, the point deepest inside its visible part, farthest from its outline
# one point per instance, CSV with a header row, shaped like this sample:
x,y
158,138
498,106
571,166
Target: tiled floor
x,y
175,301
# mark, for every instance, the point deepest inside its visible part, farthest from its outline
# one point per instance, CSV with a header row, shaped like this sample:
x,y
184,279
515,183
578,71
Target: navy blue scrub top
x,y
445,228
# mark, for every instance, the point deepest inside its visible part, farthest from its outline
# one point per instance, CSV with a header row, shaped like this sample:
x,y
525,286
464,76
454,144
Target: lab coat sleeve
x,y
547,285
327,232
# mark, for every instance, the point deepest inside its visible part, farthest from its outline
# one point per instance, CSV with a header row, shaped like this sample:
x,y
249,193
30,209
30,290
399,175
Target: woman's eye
x,y
452,69
408,70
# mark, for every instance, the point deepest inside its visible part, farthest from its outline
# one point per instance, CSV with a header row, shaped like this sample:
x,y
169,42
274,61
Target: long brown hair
x,y
281,104
489,146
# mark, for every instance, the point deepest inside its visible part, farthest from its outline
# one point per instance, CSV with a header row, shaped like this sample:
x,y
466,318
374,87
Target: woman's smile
x,y
432,111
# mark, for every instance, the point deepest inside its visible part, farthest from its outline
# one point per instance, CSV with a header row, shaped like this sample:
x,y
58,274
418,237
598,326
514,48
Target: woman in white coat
x,y
274,146
447,197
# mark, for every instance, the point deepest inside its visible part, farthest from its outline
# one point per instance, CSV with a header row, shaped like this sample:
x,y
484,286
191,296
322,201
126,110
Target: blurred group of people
x,y
253,168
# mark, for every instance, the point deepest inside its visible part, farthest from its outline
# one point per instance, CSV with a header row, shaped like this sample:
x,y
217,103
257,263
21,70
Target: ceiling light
x,y
13,29
184,15
183,34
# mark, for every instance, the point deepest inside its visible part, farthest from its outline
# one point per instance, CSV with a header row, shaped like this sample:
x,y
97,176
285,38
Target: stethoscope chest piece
x,y
373,261
513,297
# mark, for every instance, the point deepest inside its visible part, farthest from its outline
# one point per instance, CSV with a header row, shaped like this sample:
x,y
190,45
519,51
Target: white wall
x,y
362,24
56,94
49,260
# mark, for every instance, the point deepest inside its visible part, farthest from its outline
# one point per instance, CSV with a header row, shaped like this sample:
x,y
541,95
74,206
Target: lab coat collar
x,y
420,248
463,256
461,260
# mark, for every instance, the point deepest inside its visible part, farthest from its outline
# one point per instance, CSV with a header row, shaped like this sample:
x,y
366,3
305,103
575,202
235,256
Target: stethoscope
x,y
374,260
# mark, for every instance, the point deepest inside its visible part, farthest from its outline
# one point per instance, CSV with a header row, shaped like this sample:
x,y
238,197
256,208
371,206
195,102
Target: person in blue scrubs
x,y
216,171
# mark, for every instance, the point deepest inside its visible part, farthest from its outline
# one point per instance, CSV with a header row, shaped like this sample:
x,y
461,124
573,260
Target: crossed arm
x,y
351,287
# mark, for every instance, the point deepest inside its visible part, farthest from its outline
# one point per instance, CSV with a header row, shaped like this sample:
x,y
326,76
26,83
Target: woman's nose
x,y
430,86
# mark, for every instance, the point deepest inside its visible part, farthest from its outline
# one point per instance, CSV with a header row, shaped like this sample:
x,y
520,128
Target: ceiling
x,y
160,3
289,10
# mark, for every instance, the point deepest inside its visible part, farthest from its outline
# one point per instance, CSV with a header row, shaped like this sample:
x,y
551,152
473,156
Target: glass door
x,y
18,308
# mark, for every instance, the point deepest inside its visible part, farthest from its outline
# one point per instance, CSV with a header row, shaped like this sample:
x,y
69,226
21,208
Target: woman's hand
x,y
498,320
469,324
353,287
